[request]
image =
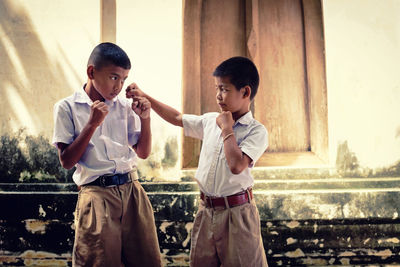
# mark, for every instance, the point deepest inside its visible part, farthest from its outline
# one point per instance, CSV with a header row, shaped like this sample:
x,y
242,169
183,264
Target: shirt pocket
x,y
118,131
115,150
115,138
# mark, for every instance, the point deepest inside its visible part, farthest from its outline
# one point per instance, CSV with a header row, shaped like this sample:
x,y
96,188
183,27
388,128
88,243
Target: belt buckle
x,y
211,203
208,201
103,181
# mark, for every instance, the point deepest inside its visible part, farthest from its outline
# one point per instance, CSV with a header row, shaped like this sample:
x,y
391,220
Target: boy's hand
x,y
141,106
133,90
98,112
225,120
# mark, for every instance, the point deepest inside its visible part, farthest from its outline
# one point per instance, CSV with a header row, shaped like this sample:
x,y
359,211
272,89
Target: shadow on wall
x,y
30,80
347,165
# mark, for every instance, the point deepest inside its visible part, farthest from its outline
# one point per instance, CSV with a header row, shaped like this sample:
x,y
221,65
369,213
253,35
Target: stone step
x,y
304,222
266,185
328,184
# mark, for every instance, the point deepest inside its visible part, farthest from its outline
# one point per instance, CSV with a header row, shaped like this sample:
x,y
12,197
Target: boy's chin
x,y
110,97
222,109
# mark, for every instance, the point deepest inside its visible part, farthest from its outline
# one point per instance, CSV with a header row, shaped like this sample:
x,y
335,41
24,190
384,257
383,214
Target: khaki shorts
x,y
227,237
114,226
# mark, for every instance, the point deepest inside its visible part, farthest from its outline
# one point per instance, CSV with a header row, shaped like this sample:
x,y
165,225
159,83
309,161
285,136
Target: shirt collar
x,y
245,119
82,97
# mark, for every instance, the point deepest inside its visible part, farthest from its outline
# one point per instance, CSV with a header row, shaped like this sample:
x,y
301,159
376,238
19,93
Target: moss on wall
x,y
315,228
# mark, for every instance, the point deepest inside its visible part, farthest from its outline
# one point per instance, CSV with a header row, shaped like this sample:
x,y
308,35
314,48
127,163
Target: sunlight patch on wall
x,y
151,34
68,37
19,110
362,55
14,58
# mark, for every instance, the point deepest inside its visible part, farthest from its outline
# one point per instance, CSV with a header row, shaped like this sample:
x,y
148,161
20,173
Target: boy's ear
x,y
246,91
90,72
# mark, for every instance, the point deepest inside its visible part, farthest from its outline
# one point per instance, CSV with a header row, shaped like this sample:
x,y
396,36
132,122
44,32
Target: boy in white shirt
x,y
102,135
226,229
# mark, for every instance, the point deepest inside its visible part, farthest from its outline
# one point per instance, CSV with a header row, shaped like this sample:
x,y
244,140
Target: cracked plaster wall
x,y
306,229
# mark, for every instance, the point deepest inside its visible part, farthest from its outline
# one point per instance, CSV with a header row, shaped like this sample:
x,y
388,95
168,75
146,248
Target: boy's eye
x,y
220,88
114,78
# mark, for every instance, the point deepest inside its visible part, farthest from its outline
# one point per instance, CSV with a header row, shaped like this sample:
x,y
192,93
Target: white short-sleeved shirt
x,y
110,148
213,173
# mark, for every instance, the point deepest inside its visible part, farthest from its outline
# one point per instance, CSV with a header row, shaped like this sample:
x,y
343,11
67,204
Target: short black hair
x,y
105,54
241,71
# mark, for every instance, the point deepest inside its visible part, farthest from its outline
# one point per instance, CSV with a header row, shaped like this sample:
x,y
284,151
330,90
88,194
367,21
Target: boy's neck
x,y
92,92
237,115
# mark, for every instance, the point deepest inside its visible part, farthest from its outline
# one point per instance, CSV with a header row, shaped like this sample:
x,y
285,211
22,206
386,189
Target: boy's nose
x,y
119,86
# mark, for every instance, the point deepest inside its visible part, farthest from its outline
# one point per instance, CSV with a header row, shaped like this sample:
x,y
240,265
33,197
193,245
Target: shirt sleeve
x,y
255,143
134,127
63,124
193,126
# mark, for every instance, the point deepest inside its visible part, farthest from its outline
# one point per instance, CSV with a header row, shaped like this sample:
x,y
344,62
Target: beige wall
x,y
362,55
44,46
43,52
151,33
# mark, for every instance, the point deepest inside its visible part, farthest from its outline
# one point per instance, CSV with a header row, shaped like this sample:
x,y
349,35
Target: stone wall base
x,y
300,227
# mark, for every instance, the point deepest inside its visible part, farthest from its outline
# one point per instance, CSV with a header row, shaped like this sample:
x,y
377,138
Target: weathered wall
x,y
44,47
321,216
151,33
43,53
302,225
362,40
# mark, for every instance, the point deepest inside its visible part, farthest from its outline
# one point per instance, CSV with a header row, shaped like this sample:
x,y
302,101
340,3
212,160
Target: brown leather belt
x,y
230,201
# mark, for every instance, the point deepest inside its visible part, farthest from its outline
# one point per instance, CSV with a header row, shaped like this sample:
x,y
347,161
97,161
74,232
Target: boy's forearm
x,y
166,112
143,147
72,153
236,159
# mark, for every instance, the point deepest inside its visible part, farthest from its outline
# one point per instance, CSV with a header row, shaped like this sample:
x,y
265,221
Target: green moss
x,y
187,179
392,171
